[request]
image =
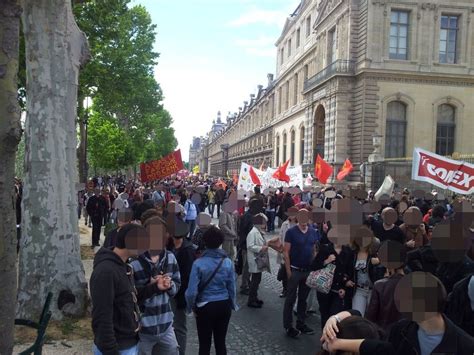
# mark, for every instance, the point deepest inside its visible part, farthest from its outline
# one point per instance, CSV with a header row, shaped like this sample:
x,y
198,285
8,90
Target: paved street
x,y
251,331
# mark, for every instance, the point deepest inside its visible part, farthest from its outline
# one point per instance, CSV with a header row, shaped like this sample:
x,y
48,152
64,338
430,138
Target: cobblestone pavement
x,y
251,331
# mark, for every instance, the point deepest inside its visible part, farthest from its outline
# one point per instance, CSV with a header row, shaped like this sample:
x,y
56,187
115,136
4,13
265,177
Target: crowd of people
x,y
396,272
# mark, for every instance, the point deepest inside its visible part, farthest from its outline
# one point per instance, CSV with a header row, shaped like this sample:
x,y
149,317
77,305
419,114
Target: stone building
x,y
194,150
354,74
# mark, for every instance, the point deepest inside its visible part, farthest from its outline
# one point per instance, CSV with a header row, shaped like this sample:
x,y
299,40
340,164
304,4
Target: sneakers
x,y
292,332
260,302
305,329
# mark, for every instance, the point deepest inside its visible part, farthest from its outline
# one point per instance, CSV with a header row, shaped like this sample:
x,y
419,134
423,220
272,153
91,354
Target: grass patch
x,y
67,329
86,252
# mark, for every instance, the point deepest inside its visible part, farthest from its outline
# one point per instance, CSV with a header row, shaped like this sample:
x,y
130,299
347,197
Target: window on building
x,y
287,95
267,138
284,147
292,148
301,144
445,129
282,55
305,72
395,130
295,88
261,140
332,46
448,38
278,150
289,48
399,35
298,37
308,26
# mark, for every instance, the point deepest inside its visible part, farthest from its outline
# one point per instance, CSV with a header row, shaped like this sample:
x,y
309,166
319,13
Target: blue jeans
x,y
192,225
271,221
131,351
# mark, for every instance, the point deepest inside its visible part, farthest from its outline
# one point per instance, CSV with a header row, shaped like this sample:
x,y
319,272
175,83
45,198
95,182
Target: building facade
x,y
352,70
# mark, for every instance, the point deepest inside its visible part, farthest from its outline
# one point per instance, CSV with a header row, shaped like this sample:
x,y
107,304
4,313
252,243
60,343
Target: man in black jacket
x,y
95,209
115,312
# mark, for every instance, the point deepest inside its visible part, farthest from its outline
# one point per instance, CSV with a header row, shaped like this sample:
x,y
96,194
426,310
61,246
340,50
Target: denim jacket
x,y
222,286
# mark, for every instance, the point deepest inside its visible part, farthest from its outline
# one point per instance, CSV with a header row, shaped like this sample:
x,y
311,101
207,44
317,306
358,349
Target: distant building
x,y
356,74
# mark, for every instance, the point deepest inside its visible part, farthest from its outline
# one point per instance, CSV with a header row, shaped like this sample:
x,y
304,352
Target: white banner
x,y
245,182
386,188
457,176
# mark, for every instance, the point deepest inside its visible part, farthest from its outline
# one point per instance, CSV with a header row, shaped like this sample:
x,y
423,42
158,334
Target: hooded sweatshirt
x,y
185,256
114,310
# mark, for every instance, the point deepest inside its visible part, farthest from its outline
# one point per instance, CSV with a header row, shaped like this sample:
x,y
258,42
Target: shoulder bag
x,y
321,280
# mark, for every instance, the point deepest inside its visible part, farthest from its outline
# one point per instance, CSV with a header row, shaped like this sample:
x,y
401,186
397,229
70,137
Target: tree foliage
x,y
128,124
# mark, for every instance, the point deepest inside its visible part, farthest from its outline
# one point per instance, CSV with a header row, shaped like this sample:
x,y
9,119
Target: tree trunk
x,y
50,258
81,156
10,134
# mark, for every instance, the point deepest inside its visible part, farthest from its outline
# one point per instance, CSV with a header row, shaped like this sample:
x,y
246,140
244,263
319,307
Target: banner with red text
x,y
440,171
158,169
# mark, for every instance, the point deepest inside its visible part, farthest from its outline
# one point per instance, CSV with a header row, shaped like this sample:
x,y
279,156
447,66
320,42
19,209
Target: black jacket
x,y
244,226
96,207
185,256
458,307
114,322
403,339
344,264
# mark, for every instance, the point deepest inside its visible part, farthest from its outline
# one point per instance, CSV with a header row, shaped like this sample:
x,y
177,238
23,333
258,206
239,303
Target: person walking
x,y
228,225
184,252
95,208
299,252
256,245
191,212
211,293
219,199
211,195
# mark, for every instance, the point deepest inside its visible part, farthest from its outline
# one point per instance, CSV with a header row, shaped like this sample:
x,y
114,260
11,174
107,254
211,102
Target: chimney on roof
x,y
259,87
246,103
270,79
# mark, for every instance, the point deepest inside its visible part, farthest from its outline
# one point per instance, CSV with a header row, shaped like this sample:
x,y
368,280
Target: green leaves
x,y
129,120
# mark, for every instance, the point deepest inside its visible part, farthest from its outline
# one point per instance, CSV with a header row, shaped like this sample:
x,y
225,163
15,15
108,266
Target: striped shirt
x,y
157,315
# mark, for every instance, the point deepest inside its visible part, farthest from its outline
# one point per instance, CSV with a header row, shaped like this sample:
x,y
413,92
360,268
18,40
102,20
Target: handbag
x,y
321,280
239,262
262,260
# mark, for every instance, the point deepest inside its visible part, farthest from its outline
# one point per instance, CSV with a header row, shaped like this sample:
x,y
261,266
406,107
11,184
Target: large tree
x,y
10,133
50,253
120,79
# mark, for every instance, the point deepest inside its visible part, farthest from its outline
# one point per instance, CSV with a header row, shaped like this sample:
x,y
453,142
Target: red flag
x,y
322,170
345,170
280,173
254,177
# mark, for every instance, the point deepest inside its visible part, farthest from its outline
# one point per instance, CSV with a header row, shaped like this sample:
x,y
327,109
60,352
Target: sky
x,y
213,54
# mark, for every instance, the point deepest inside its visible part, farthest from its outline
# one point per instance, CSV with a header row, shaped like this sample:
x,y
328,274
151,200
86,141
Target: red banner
x,y
159,169
440,171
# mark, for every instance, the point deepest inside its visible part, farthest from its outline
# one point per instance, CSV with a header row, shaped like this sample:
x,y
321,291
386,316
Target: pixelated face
x,y
203,219
389,216
362,236
303,217
137,241
196,198
418,296
259,221
412,217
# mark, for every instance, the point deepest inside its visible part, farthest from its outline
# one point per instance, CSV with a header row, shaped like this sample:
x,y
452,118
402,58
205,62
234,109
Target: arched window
x,y
445,128
395,130
301,144
284,147
278,150
292,148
